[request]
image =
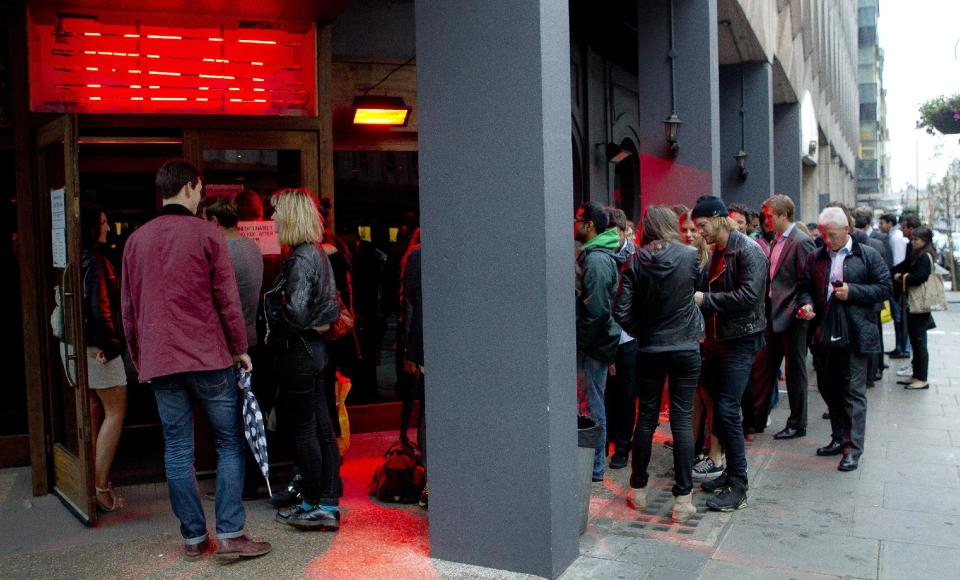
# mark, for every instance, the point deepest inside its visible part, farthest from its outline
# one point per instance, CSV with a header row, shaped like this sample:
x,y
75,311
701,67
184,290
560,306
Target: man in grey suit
x,y
787,332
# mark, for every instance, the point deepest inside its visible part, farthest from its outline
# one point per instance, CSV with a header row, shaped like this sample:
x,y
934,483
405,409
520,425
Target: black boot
x,y
731,498
716,484
292,494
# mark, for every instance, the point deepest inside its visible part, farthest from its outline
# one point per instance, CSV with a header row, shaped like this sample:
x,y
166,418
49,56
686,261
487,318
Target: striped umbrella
x,y
253,428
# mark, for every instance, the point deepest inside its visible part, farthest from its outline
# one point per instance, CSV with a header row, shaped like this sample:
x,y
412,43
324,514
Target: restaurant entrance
x,y
114,168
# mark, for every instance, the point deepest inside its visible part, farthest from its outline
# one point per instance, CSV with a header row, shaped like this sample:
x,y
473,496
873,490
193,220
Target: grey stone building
x,y
873,175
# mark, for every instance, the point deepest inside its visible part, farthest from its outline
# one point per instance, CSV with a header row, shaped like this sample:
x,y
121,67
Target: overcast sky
x,y
918,38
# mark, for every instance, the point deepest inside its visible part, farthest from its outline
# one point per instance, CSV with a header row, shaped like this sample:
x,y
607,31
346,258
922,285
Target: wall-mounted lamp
x,y
671,125
615,153
671,130
380,111
741,158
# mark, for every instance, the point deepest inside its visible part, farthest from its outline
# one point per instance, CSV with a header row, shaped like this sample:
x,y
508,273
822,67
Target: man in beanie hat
x,y
732,300
598,275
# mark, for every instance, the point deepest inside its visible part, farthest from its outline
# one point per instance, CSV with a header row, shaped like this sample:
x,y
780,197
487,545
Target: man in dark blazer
x,y
786,331
848,275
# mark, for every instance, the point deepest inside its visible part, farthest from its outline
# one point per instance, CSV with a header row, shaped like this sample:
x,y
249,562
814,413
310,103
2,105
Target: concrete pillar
x,y
695,170
757,132
499,335
787,152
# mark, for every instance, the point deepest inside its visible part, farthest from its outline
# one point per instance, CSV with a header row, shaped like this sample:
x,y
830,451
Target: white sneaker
x,y
905,371
707,470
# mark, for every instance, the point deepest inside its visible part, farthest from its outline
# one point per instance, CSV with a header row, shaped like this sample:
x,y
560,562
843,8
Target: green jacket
x,y
598,275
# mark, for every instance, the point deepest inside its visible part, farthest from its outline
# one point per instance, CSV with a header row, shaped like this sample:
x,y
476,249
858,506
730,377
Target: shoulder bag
x,y
929,296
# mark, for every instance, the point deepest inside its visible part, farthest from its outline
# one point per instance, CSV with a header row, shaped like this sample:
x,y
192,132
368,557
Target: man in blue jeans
x,y
185,331
598,267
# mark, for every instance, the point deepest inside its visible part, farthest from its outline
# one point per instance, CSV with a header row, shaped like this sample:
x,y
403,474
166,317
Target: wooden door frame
x,y
307,142
73,476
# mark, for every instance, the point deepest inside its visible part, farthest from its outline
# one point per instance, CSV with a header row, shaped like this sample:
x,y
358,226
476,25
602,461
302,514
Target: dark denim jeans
x,y
299,369
217,394
726,372
682,368
897,313
591,383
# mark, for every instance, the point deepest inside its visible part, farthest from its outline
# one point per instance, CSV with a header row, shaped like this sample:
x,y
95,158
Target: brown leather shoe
x,y
195,551
241,547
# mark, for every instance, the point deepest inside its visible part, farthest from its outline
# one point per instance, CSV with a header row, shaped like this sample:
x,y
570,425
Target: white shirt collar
x,y
846,249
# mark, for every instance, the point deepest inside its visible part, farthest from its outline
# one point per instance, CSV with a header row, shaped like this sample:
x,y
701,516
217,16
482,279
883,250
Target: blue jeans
x,y
726,372
901,333
218,396
591,383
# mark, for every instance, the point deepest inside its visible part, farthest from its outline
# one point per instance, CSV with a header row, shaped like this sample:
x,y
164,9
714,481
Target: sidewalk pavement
x,y
898,516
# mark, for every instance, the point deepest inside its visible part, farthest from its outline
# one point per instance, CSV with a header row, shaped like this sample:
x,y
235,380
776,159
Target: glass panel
x,y
63,352
377,210
13,414
230,171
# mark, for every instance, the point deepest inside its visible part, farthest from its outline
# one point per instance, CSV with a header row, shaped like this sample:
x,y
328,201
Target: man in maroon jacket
x,y
185,331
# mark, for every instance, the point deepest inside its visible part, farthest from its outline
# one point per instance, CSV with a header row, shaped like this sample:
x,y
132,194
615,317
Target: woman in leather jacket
x,y
302,305
655,304
106,376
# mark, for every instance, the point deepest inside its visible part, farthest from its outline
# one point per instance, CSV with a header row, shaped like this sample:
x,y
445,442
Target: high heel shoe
x,y
115,501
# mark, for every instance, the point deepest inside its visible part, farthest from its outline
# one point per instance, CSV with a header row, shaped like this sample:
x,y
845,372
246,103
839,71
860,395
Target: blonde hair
x,y
296,210
722,222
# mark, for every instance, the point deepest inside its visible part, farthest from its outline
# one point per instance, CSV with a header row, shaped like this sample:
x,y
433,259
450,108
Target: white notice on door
x,y
264,234
59,248
58,209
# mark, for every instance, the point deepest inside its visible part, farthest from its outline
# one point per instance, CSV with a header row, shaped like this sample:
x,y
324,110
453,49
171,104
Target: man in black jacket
x,y
598,265
732,303
852,278
786,333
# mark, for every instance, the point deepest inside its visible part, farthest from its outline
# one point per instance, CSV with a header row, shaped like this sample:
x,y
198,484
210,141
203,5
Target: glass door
x,y
71,449
249,165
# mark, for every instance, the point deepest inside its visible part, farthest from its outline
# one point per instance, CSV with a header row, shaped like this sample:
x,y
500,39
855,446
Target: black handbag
x,y
834,331
273,310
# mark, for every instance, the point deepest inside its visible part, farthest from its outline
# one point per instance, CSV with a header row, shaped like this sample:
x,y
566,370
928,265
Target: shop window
x,y
148,63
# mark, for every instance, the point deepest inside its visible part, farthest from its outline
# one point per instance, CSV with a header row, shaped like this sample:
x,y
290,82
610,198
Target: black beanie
x,y
709,206
596,213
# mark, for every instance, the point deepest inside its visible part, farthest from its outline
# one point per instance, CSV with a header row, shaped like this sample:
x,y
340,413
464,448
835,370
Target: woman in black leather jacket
x,y
655,304
106,376
302,305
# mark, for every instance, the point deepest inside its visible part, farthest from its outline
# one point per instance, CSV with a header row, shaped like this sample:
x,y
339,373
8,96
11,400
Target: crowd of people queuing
x,y
704,305
191,310
713,306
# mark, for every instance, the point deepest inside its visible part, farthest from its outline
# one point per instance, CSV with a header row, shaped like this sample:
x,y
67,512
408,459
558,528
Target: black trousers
x,y
842,378
792,346
300,375
682,368
917,327
621,399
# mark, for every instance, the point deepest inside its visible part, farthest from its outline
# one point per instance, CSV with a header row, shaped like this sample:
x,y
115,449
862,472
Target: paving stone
x,y
914,434
831,554
678,556
904,526
717,570
829,486
940,454
901,560
905,470
586,568
921,498
801,516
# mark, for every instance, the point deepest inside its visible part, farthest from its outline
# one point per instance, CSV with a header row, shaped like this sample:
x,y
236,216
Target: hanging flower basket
x,y
941,114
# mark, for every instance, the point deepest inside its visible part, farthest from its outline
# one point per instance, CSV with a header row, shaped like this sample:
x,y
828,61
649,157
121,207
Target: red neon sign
x,y
139,63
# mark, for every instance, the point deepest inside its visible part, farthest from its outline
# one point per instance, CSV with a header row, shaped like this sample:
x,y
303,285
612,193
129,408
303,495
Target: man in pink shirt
x,y
185,331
